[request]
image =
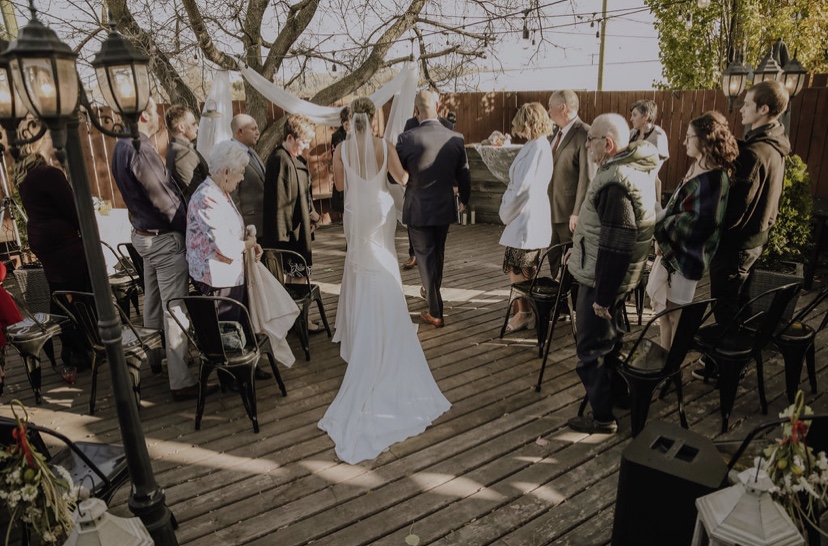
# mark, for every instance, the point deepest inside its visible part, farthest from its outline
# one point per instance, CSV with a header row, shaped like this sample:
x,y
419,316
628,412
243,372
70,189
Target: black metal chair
x,y
240,363
139,343
302,293
32,335
795,340
124,282
128,251
543,293
103,464
644,364
565,292
731,347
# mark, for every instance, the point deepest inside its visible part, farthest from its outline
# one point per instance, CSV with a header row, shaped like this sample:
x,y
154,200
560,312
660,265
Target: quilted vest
x,y
633,169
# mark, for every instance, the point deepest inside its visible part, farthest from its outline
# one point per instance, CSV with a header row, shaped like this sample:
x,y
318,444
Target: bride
x,y
388,393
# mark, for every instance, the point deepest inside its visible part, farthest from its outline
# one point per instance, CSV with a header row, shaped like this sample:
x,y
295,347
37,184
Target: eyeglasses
x,y
688,137
591,138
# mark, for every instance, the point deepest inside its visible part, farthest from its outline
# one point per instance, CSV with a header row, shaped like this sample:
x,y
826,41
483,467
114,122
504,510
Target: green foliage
x,y
694,58
790,237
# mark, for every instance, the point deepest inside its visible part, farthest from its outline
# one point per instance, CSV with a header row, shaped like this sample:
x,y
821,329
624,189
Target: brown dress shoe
x,y
410,263
191,392
436,322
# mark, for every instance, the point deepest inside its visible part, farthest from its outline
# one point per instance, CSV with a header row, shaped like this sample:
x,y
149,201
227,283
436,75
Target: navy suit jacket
x,y
435,159
414,122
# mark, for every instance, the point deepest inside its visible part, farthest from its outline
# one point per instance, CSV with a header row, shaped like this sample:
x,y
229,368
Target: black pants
x,y
596,337
226,310
429,244
729,272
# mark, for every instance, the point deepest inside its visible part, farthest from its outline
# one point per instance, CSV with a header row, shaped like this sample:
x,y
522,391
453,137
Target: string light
x,y
688,21
703,4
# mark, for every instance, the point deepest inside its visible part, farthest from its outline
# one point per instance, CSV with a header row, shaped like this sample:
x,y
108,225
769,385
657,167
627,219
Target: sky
x,y
631,53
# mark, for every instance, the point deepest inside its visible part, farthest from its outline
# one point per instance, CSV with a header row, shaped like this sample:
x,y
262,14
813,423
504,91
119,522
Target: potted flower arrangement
x,y
31,491
783,258
799,475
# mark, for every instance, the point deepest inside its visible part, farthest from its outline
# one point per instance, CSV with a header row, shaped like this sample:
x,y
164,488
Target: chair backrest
x,y
273,258
122,263
546,257
802,316
770,319
33,288
80,308
204,320
692,316
128,250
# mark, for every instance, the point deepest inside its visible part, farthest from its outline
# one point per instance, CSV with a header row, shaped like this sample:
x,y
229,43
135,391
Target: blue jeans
x,y
166,276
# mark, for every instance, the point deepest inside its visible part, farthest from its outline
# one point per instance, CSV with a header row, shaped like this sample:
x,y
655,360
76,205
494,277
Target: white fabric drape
x,y
272,310
326,115
212,130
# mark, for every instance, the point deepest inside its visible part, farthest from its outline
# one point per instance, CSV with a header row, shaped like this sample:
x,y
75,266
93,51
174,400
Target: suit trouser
x,y
166,276
729,272
560,234
595,338
429,244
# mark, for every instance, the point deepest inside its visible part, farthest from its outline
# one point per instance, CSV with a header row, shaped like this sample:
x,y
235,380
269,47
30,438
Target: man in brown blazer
x,y
572,171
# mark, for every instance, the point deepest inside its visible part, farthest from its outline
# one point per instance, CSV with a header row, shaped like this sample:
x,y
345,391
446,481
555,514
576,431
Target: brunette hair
x,y
715,139
772,94
362,105
175,114
299,126
344,114
532,121
646,108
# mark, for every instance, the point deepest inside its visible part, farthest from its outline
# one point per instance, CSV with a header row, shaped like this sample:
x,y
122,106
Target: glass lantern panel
x,y
6,97
123,88
20,85
103,86
68,80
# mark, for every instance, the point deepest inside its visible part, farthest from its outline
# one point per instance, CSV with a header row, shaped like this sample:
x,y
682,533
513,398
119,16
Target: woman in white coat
x,y
525,206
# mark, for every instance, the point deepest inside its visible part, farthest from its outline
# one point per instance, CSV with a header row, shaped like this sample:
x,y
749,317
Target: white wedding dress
x,y
388,393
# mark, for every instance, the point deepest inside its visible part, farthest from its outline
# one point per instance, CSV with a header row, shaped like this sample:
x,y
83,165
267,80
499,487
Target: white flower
x,y
65,476
47,536
28,493
13,477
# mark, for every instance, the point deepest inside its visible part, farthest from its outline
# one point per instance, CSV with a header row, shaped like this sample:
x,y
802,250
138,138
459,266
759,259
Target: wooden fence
x,y
478,114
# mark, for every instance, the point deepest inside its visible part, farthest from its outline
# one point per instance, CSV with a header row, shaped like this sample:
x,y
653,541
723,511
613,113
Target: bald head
x,y
245,129
608,136
426,104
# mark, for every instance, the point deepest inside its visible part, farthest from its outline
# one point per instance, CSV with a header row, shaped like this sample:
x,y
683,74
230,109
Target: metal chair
x,y
302,293
127,250
644,364
543,293
240,363
124,282
139,343
565,287
731,347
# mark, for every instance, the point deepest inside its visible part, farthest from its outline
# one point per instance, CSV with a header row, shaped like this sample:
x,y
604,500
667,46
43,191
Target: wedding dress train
x,y
388,393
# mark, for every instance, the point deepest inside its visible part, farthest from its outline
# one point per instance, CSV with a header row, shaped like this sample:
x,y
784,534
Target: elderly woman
x,y
216,238
525,206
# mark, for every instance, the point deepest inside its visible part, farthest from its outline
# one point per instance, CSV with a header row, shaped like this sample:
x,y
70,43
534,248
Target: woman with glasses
x,y
687,230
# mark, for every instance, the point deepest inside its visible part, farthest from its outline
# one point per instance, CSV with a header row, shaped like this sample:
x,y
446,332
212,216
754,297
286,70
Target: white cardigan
x,y
525,206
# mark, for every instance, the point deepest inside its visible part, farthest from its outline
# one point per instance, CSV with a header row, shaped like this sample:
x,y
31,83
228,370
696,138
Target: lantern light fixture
x,y
734,80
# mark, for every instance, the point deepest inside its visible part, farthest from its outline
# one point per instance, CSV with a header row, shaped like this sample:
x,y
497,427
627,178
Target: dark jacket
x,y
570,177
756,186
286,197
410,123
153,199
187,167
249,195
435,159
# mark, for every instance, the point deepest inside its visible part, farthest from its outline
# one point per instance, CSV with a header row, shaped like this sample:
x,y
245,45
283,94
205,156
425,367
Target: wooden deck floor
x,y
499,468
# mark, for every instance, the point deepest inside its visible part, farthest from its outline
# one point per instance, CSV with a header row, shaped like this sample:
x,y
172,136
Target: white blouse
x,y
525,206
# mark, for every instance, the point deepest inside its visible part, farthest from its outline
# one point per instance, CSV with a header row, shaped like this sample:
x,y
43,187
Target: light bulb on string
x,y
688,21
703,4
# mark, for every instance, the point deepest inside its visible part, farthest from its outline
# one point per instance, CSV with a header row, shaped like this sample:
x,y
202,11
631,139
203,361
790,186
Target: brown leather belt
x,y
152,232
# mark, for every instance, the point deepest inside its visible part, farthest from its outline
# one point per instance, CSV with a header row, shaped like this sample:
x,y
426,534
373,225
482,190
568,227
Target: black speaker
x,y
662,472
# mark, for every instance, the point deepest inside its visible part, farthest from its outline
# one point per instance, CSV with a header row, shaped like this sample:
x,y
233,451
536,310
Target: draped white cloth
x,y
215,129
272,310
406,80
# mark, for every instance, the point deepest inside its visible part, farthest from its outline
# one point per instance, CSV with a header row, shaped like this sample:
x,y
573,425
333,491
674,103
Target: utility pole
x,y
9,20
603,45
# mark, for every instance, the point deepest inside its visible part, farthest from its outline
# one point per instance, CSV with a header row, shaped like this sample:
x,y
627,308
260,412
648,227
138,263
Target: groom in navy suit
x,y
435,158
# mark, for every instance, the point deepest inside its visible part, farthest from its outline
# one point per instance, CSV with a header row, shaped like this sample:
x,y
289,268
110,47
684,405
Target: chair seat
x,y
649,357
29,330
736,344
544,288
121,280
110,459
299,292
796,332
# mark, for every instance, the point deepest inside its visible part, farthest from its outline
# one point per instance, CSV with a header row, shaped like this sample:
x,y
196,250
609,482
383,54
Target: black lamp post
x,y
767,69
46,80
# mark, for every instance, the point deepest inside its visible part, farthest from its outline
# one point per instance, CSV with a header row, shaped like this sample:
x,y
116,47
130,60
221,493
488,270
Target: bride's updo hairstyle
x,y
362,105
